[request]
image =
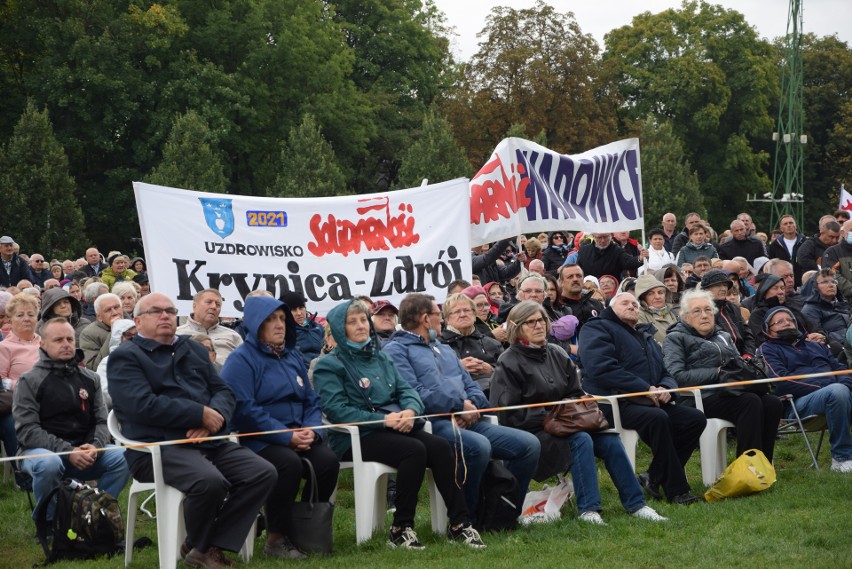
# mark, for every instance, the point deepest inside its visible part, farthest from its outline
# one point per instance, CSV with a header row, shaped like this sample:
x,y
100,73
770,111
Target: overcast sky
x,y
597,17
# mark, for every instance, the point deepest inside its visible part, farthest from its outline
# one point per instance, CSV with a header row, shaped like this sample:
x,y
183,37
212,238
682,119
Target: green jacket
x,y
351,382
109,277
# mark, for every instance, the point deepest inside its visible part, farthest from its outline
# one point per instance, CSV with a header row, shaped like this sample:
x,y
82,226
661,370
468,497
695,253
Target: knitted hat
x,y
645,283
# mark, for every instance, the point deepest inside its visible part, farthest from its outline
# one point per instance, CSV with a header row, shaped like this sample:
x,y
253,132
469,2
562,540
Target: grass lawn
x,y
803,521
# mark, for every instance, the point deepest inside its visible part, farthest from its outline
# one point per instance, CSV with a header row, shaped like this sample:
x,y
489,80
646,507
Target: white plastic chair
x,y
629,437
371,482
713,444
171,531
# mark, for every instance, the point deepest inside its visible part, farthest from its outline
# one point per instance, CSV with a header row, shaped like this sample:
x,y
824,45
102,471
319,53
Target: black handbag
x,y
313,521
741,369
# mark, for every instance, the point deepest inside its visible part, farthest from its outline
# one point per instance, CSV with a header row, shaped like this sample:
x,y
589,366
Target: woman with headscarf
x,y
58,302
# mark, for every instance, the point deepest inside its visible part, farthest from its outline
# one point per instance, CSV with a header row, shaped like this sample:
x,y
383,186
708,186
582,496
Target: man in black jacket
x,y
741,244
59,407
13,269
605,257
786,246
164,388
809,255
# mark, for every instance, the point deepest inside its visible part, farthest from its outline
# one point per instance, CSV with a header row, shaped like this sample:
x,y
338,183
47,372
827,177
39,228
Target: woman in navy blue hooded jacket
x,y
271,385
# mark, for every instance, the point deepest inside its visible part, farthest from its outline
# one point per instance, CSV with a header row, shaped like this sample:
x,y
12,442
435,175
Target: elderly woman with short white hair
x,y
128,292
697,352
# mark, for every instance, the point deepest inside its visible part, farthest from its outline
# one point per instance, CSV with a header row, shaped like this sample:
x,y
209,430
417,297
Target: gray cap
x,y
6,240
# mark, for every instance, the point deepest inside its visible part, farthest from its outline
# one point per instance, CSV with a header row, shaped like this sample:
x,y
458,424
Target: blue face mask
x,y
357,345
432,335
849,238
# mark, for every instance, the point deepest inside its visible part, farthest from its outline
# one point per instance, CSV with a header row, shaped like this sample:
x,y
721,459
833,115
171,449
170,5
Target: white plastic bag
x,y
545,505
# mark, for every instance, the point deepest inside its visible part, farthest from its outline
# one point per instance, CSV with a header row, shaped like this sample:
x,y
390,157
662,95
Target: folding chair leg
x,y
805,435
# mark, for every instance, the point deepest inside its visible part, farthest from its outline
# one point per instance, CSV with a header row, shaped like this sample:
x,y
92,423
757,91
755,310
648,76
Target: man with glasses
x,y
13,269
434,370
618,358
164,388
39,270
787,352
94,339
605,257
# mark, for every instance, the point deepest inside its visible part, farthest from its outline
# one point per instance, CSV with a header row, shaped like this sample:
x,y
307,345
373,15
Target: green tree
x,y
433,155
519,130
191,159
536,66
307,167
703,68
668,181
827,71
41,211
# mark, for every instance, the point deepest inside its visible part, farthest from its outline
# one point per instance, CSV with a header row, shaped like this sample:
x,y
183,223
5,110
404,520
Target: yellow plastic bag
x,y
748,474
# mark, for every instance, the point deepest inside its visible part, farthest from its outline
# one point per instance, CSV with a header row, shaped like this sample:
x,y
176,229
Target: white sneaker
x,y
592,518
648,513
841,465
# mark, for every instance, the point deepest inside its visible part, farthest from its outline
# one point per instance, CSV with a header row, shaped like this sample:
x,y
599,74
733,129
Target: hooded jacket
x,y
762,305
618,359
58,406
434,370
352,382
485,265
49,300
831,316
695,360
799,358
272,392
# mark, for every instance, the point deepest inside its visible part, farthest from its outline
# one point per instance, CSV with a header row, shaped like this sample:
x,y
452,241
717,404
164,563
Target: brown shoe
x,y
283,549
219,556
213,559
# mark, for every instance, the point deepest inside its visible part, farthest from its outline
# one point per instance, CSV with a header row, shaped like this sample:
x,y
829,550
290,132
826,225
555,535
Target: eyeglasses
x,y
482,305
555,237
461,312
827,281
38,260
700,311
783,321
532,291
157,311
534,322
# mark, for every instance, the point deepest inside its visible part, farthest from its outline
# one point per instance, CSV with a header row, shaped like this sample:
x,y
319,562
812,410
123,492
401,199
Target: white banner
x,y
329,249
526,188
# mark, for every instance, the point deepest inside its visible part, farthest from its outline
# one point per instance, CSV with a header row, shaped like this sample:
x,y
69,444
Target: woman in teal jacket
x,y
270,382
358,383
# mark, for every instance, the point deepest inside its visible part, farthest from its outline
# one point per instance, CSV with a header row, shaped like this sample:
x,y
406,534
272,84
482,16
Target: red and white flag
x,y
845,199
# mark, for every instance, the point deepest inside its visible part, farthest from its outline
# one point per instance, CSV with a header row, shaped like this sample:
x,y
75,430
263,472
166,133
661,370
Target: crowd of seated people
x,y
562,316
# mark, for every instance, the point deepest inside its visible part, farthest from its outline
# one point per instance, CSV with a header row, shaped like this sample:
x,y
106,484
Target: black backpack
x,y
498,499
87,523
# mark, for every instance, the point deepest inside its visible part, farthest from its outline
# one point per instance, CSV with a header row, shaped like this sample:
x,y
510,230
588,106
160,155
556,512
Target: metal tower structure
x,y
787,180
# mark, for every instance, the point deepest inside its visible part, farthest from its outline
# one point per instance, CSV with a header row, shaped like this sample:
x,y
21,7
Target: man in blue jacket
x,y
619,357
434,370
164,388
787,352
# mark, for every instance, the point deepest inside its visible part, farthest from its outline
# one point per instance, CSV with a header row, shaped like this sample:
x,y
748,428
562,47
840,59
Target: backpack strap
x,y
41,521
